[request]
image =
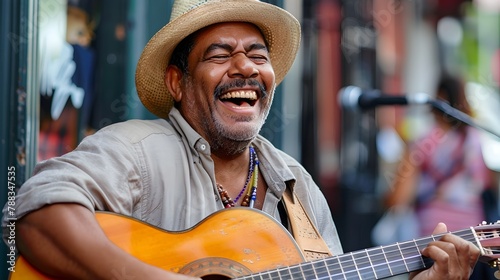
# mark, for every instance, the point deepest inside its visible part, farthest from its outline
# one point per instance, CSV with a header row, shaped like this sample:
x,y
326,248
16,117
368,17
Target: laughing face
x,y
228,90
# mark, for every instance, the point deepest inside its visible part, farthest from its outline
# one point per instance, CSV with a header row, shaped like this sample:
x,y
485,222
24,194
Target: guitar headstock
x,y
488,238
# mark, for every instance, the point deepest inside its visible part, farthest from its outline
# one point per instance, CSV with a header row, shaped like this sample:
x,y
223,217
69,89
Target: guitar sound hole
x,y
215,277
215,268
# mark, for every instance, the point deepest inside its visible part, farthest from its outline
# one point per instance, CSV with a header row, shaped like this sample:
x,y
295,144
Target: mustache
x,y
239,83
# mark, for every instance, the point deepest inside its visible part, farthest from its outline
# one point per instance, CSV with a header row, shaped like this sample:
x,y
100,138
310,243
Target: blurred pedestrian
x,y
442,175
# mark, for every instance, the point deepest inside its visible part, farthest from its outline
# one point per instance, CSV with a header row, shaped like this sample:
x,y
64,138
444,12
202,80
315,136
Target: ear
x,y
173,76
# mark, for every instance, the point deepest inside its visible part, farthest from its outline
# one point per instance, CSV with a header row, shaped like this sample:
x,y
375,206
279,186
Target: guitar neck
x,y
375,263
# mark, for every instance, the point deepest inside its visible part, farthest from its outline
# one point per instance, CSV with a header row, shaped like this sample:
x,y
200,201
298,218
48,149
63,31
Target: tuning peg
x,y
497,274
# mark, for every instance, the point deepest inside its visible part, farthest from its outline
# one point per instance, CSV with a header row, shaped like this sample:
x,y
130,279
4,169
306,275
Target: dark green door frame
x,y
18,101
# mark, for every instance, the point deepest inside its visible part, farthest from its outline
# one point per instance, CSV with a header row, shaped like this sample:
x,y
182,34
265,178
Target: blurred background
x,y
67,70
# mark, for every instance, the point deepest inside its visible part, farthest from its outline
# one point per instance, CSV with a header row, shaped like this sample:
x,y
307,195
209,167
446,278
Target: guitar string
x,y
415,259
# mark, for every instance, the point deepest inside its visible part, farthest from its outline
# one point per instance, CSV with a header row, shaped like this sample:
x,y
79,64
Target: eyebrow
x,y
229,48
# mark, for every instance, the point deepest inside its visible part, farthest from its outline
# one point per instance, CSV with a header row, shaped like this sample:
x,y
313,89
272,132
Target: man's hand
x,y
454,258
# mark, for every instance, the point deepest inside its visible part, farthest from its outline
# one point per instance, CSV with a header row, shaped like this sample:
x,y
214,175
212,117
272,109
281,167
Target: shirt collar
x,y
276,162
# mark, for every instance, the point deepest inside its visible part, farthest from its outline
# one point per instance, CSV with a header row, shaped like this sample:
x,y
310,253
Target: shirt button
x,y
203,147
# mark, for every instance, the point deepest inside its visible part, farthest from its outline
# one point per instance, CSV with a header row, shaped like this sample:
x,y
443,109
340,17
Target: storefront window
x,y
88,52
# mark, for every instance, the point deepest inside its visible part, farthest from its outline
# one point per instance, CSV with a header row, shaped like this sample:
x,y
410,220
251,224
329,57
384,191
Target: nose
x,y
243,67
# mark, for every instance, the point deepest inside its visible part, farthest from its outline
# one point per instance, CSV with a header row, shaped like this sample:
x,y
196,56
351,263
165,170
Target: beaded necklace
x,y
252,178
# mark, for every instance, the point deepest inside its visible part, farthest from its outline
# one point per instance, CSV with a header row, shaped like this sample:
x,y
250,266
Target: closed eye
x,y
219,58
259,59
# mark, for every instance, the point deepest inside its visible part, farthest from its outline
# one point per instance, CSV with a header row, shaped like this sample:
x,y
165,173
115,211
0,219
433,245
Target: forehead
x,y
227,31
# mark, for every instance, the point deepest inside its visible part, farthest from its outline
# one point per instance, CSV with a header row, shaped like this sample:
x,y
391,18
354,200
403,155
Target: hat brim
x,y
280,29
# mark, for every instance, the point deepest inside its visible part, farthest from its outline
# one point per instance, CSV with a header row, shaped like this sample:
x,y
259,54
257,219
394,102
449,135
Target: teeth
x,y
247,94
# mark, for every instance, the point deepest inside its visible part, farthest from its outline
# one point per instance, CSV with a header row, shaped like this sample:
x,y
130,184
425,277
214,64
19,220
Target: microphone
x,y
355,98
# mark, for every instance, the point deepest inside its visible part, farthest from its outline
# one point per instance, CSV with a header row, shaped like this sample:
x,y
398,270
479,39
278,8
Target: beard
x,y
231,140
225,139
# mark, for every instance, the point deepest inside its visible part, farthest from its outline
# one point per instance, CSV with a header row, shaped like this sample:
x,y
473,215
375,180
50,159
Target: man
x,y
210,75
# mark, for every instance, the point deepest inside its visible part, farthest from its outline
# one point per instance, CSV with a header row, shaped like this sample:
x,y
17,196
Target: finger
x,y
457,250
470,247
440,228
466,251
452,256
452,252
436,251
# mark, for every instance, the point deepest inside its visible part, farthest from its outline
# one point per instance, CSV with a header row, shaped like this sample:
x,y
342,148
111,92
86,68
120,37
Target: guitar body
x,y
227,244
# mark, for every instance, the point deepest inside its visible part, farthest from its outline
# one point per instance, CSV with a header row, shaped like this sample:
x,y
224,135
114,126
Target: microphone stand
x,y
459,115
352,98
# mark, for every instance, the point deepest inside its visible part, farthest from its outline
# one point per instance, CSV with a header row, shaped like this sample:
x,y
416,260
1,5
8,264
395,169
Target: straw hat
x,y
280,28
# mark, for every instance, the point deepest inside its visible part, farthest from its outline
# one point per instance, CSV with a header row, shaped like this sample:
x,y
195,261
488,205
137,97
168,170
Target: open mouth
x,y
241,97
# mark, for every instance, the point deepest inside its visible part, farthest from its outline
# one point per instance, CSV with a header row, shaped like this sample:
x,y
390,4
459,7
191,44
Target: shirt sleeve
x,y
100,174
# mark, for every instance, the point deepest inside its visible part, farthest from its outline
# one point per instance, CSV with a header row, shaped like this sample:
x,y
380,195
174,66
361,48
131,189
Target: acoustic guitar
x,y
243,243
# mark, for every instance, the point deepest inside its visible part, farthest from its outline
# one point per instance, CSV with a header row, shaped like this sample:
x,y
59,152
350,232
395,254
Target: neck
x,y
229,149
228,167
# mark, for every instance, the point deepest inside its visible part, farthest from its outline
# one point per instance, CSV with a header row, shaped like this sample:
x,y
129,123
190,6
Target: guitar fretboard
x,y
374,263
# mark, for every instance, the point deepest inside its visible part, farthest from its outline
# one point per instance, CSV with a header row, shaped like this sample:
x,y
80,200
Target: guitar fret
x,y
387,261
274,275
380,263
329,271
393,255
364,265
335,268
313,269
321,270
307,270
296,272
401,254
356,266
371,264
284,274
348,270
421,244
417,248
411,256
